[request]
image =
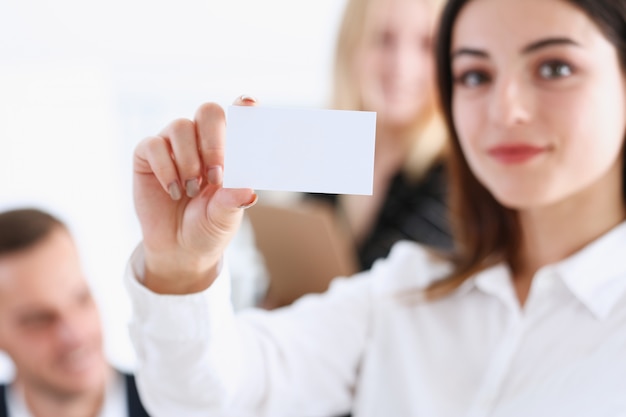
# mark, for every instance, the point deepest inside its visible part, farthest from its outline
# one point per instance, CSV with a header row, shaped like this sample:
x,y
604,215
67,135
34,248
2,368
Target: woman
x,y
528,319
383,63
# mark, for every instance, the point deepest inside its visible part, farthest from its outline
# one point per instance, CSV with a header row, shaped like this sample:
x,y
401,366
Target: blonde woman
x,y
384,63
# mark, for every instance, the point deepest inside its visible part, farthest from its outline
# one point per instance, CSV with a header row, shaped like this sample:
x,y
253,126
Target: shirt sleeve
x,y
196,357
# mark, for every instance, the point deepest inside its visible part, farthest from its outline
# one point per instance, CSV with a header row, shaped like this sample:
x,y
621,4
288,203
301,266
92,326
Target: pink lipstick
x,y
515,154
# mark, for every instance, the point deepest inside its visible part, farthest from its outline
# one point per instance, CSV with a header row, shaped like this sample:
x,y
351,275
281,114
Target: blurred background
x,y
81,82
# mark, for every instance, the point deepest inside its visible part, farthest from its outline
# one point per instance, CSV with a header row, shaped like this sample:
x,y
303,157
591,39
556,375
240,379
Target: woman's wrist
x,y
179,274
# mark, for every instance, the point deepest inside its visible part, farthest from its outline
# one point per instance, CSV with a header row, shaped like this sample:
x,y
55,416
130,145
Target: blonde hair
x,y
427,133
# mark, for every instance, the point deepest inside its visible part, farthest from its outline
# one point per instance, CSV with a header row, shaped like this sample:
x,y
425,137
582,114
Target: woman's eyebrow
x,y
533,47
544,43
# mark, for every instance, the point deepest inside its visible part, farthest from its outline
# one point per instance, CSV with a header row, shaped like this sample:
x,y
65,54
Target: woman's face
x,y
538,99
394,65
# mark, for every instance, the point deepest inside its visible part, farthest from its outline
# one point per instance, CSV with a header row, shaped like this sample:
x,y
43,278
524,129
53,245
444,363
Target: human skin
x,y
539,108
393,62
50,327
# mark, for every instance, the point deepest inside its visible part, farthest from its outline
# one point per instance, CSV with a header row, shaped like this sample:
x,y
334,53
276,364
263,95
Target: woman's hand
x,y
186,217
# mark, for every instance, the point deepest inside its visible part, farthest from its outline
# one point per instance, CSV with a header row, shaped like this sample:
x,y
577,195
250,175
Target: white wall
x,y
81,82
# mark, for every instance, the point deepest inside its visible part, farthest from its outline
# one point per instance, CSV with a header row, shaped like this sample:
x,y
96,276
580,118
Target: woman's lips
x,y
515,154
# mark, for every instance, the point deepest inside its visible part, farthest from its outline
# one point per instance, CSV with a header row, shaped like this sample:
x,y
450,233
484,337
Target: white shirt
x,y
115,404
364,347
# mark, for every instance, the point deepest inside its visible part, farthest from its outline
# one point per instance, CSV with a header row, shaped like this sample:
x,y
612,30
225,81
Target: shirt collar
x,y
596,275
496,281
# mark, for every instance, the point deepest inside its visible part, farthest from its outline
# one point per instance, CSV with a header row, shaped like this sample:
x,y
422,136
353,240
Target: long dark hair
x,y
485,231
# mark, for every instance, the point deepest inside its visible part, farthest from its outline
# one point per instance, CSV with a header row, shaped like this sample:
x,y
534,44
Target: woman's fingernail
x,y
214,175
252,202
192,187
247,99
174,190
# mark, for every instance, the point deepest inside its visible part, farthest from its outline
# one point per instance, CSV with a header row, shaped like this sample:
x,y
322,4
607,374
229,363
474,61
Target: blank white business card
x,y
302,150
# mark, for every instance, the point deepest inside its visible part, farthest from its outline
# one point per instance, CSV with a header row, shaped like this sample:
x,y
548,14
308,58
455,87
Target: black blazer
x,y
135,408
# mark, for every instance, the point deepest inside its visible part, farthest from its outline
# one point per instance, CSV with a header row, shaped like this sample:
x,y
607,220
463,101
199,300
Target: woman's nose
x,y
511,103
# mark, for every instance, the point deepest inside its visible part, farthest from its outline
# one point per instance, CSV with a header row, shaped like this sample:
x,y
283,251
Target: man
x,y
50,327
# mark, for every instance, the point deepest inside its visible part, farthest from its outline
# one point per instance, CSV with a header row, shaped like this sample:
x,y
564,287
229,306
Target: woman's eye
x,y
472,79
385,39
555,69
38,321
425,43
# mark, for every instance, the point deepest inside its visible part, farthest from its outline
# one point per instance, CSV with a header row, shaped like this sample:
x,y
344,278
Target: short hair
x,y
25,227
